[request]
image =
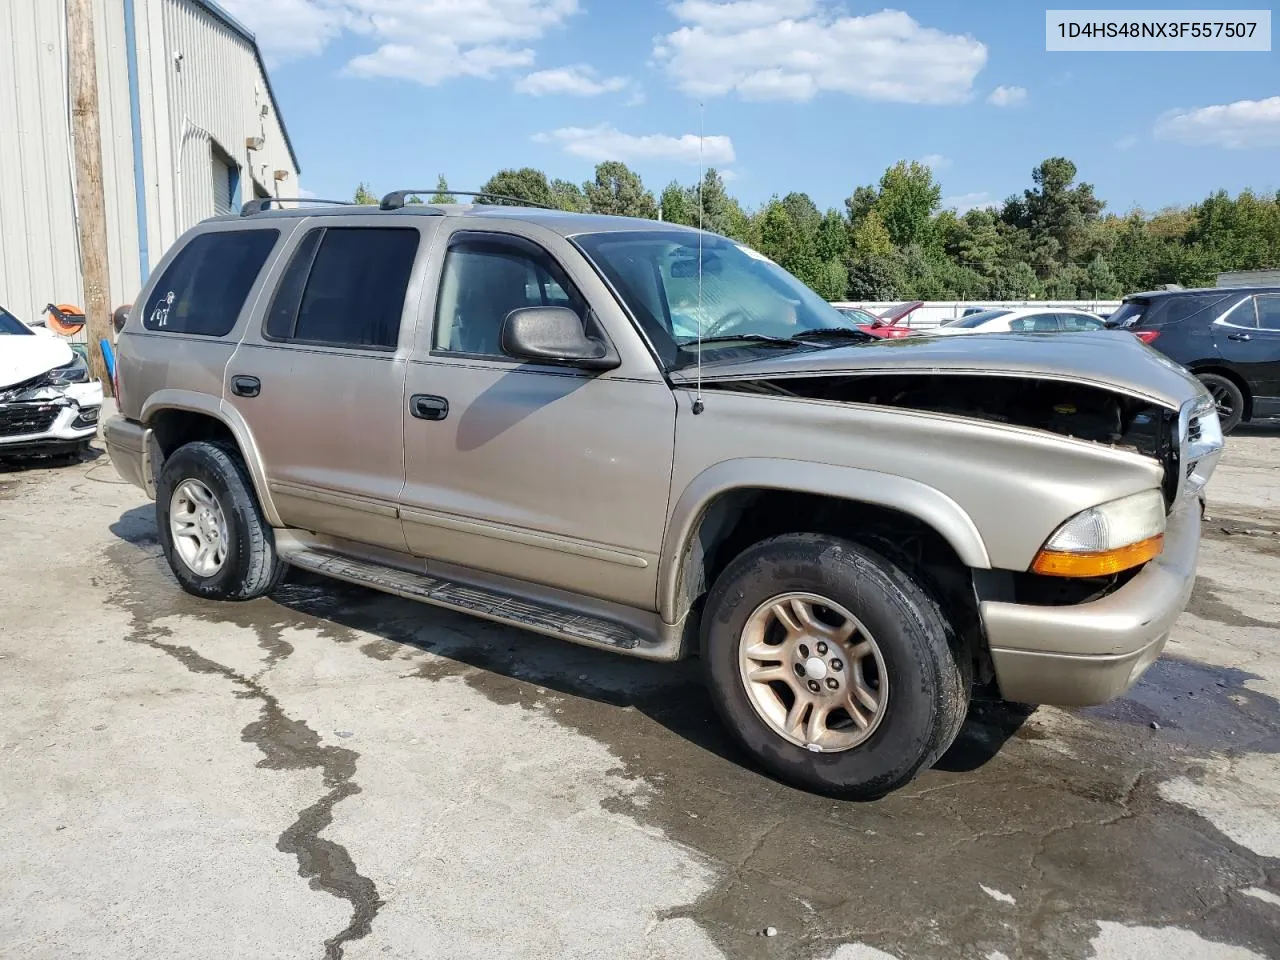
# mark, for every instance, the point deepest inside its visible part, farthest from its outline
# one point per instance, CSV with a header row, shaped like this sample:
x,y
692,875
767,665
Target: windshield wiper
x,y
823,333
740,337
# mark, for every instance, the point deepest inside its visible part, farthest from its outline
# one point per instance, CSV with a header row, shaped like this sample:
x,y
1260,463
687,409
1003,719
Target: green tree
x,y
523,184
619,191
859,204
568,196
1100,282
364,195
442,194
720,212
833,238
871,238
679,205
907,199
1056,214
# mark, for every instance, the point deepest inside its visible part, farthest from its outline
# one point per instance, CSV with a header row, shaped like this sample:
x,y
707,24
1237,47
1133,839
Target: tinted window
x,y
977,319
1176,309
1243,314
345,286
486,277
204,288
1269,313
1035,323
1078,321
11,325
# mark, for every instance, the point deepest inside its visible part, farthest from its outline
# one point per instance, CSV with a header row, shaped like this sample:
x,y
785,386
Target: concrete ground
x,y
333,773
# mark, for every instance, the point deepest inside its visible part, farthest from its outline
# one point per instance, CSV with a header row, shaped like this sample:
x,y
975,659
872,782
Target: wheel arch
x,y
175,417
708,508
1222,370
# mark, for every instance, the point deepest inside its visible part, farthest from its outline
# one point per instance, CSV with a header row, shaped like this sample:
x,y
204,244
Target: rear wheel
x,y
832,666
1228,398
212,530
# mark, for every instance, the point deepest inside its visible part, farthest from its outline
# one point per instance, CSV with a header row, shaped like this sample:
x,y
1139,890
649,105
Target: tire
x,y
250,567
928,677
1227,396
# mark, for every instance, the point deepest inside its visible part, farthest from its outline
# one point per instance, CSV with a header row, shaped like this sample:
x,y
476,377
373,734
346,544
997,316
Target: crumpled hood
x,y
1108,358
22,357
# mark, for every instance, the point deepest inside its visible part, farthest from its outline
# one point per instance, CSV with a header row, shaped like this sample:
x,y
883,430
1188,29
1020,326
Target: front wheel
x,y
834,669
1227,397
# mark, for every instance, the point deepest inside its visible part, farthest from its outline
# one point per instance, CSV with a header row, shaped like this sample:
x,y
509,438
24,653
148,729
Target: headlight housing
x,y
77,371
1106,539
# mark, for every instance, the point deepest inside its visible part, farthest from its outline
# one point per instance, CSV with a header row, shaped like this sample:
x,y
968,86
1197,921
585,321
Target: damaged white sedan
x,y
48,402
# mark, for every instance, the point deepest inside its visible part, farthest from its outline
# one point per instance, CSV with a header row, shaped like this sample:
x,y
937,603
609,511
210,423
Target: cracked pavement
x,y
330,773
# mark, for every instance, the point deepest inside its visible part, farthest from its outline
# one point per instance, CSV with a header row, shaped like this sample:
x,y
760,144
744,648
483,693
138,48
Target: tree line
x,y
893,241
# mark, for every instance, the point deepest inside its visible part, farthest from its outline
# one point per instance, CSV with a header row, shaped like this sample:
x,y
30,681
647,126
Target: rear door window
x,y
345,287
1269,313
204,288
1076,322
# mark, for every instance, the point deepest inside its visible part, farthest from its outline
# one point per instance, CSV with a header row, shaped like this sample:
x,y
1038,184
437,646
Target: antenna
x,y
697,401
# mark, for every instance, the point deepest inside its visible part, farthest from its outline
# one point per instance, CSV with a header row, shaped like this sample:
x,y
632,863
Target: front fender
x,y
921,501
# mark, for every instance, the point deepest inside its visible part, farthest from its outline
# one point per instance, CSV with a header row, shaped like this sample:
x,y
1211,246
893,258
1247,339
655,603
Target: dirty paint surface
x,y
328,772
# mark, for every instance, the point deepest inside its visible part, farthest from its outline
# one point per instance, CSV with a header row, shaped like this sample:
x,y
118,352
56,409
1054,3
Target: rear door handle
x,y
426,407
1239,336
246,386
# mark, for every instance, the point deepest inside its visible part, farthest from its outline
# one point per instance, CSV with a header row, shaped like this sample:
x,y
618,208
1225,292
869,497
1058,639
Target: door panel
x,y
1249,339
329,353
553,478
535,471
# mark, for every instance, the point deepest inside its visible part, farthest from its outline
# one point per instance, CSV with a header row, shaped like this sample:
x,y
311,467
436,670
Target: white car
x,y
1021,320
48,402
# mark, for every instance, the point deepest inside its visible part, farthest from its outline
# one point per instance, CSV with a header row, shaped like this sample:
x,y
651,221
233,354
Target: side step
x,y
477,601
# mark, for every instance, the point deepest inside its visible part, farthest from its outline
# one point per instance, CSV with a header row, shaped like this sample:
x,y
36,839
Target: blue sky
x,y
798,95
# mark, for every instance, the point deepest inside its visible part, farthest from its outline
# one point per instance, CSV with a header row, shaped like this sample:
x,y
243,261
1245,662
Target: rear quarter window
x,y
204,288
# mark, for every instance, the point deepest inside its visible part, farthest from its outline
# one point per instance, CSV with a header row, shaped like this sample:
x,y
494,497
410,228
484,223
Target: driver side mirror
x,y
555,335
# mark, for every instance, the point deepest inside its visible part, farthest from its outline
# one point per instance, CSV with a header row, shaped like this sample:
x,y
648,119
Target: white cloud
x,y
1245,123
578,81
962,203
795,49
605,142
935,161
1127,143
428,41
1007,96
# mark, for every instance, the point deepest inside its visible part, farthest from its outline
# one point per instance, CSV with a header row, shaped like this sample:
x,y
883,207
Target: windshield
x,y
859,316
977,319
743,294
11,325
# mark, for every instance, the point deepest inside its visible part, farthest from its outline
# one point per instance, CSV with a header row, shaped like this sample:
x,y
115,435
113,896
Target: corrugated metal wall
x,y
39,242
215,90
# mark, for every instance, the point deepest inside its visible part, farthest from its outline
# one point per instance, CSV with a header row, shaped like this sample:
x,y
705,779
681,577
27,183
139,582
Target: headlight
x,y
77,371
1106,539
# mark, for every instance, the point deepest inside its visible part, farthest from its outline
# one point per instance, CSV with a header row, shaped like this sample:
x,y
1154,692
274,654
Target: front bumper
x,y
1089,653
61,417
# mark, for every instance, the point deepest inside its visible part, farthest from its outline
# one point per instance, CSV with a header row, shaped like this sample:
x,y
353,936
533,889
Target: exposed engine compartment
x,y
1067,409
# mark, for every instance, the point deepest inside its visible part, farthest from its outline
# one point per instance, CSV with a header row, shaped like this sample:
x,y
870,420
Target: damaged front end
x,y
54,411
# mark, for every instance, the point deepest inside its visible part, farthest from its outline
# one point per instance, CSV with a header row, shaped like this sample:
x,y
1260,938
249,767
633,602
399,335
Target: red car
x,y
884,326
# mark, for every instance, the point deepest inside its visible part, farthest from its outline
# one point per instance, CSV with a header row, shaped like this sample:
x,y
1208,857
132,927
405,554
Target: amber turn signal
x,y
1057,563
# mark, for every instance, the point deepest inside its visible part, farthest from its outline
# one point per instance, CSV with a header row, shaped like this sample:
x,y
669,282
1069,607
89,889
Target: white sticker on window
x,y
160,315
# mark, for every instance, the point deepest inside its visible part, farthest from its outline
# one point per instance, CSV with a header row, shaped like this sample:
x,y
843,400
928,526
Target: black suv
x,y
1229,337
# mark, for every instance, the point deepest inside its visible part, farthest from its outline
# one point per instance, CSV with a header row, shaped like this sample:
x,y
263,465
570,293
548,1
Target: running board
x,y
486,602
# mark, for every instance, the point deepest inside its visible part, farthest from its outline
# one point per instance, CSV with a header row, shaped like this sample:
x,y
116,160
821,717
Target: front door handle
x,y
1239,336
426,407
246,386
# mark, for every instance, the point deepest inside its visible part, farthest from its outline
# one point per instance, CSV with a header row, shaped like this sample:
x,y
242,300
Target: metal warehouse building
x,y
190,128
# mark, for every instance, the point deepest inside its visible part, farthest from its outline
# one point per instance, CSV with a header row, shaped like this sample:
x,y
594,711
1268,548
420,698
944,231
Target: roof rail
x,y
262,204
396,199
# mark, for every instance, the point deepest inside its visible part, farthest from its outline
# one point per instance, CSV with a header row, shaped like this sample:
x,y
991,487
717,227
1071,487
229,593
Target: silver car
x,y
630,435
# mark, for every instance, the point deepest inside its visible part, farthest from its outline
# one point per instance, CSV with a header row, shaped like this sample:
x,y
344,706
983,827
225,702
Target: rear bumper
x,y
1092,652
126,443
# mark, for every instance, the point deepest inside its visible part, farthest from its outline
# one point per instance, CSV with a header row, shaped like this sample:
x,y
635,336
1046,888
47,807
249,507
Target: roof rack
x,y
262,204
396,199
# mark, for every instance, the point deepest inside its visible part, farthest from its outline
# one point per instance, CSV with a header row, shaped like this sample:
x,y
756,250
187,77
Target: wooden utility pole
x,y
86,136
